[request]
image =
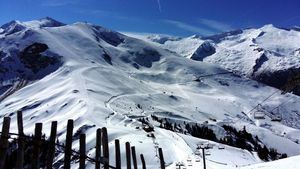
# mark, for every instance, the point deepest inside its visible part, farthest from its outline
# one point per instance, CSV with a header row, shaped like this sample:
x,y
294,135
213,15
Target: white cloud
x,y
215,25
57,3
159,5
190,28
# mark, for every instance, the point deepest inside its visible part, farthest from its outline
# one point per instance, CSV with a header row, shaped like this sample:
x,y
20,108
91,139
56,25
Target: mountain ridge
x,y
240,51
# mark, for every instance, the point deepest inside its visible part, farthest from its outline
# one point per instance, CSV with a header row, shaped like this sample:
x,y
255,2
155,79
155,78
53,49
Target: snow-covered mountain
x,y
98,77
268,54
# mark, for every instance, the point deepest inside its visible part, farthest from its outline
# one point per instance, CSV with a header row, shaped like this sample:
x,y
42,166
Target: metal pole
x,y
203,152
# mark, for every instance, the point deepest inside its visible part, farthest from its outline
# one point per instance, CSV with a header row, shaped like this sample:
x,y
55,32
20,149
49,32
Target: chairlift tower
x,y
203,147
180,165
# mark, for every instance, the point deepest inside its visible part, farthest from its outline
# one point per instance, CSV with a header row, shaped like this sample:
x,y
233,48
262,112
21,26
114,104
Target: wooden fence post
x,y
105,148
82,152
51,152
4,141
20,151
117,153
161,157
143,161
68,146
35,161
128,156
98,149
134,157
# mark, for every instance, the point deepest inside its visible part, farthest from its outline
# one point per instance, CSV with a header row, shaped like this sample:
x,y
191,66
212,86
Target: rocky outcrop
x,y
204,50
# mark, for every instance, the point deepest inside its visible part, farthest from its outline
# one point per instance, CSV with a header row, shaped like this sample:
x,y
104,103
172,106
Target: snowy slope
x,y
278,45
183,46
290,163
104,78
265,54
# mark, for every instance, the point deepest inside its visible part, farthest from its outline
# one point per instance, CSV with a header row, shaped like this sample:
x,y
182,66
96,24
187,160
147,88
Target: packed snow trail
x,y
15,87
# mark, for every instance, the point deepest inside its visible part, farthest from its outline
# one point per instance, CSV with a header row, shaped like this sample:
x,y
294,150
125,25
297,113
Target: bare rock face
x,y
281,79
34,59
204,50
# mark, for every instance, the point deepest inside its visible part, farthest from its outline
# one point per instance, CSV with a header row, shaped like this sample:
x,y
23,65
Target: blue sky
x,y
175,17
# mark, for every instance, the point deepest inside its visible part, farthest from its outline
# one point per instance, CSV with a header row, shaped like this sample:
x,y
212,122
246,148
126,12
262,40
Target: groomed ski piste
x,y
107,79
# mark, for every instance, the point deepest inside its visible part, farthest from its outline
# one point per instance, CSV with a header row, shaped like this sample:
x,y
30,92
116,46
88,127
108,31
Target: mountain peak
x,y
17,26
44,22
9,24
270,27
12,27
195,36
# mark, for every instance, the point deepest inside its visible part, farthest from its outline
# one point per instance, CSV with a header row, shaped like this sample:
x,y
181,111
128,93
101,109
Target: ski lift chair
x,y
209,146
197,152
259,113
189,159
221,147
207,153
276,116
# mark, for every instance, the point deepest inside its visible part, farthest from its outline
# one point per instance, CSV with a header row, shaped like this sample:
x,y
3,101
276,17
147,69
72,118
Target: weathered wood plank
x,y
20,151
98,149
143,161
35,161
134,157
118,154
128,156
51,152
4,141
105,148
82,151
68,147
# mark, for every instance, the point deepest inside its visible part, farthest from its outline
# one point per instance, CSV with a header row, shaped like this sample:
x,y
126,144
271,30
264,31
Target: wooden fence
x,y
101,153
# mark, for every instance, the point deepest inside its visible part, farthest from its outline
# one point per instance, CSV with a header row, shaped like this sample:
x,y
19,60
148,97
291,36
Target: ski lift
x,y
276,116
197,160
189,161
259,113
200,146
221,147
209,146
197,152
208,153
180,165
